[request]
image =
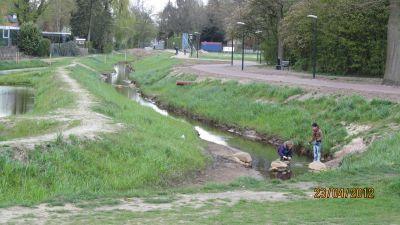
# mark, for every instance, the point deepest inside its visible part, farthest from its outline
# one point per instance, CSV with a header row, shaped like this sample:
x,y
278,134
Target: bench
x,y
284,64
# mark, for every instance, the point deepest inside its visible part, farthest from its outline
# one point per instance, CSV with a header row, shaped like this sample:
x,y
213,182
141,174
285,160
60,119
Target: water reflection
x,y
15,100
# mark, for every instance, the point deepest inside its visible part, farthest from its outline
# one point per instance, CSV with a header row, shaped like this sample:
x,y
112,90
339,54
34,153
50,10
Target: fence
x,y
9,53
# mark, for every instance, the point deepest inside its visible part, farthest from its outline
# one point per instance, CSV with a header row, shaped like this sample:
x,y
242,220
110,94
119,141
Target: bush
x,y
351,36
108,48
44,47
65,49
29,38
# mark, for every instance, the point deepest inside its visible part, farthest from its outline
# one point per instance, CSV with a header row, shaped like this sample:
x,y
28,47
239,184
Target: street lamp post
x,y
191,44
242,24
259,42
198,42
232,52
314,53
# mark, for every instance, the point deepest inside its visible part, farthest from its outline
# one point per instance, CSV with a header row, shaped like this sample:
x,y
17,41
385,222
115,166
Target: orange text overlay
x,y
321,192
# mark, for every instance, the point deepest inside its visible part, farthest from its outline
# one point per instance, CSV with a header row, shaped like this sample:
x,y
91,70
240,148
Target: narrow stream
x,y
262,154
15,100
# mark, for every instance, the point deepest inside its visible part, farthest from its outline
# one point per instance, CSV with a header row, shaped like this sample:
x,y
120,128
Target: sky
x,y
158,5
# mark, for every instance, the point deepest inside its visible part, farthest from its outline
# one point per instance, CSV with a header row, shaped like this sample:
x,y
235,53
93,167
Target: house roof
x,y
44,32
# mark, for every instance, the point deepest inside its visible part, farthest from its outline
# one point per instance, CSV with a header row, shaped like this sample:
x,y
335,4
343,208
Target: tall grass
x,y
263,107
148,153
104,63
9,65
50,92
24,128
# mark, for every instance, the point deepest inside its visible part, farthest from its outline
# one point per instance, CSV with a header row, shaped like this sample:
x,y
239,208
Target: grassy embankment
x,y
23,64
148,154
120,163
236,104
264,107
49,96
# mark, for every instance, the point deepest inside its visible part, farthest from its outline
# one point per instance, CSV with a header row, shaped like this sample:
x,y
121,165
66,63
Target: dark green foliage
x,y
93,17
351,36
44,47
29,38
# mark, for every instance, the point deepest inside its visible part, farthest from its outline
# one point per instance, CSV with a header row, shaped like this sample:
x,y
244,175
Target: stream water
x,y
262,154
15,100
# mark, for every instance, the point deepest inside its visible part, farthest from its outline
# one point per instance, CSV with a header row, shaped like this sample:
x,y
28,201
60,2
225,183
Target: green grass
x,y
355,211
148,153
380,161
104,63
25,128
263,107
50,93
10,65
226,56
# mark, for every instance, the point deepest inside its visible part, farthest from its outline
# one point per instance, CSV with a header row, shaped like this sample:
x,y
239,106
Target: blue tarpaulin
x,y
211,46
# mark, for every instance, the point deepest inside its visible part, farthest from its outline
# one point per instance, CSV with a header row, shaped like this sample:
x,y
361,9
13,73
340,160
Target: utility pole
x,y
232,52
242,24
314,52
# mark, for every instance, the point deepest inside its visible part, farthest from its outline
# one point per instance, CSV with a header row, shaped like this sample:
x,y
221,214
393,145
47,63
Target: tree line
x,y
354,37
106,24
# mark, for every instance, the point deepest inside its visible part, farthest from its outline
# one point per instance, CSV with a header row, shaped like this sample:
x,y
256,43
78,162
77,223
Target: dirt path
x,y
91,122
44,213
370,88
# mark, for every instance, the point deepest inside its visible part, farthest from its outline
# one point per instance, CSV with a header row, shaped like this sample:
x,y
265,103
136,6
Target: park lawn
x,y
225,56
265,107
23,64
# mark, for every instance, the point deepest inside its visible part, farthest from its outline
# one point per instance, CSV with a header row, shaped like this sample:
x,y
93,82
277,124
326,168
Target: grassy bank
x,y
264,107
10,65
104,63
147,154
49,96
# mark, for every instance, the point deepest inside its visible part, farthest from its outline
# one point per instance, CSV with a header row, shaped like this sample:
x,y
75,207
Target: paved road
x,y
296,79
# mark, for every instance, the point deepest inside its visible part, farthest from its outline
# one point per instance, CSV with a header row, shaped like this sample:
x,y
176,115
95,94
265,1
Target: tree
x,y
93,19
267,16
57,15
186,17
168,21
144,26
215,27
28,10
392,71
29,38
351,36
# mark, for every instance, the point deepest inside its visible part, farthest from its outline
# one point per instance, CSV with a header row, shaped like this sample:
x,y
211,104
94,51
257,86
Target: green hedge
x,y
351,36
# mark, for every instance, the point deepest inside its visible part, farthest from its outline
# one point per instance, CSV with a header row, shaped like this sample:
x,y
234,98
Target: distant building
x,y
10,28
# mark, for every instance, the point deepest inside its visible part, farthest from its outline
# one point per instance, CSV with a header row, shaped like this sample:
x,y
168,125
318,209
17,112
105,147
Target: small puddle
x,y
262,154
15,100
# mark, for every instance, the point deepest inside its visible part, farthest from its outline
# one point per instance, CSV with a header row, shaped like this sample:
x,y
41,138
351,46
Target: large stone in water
x,y
317,166
278,165
244,157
